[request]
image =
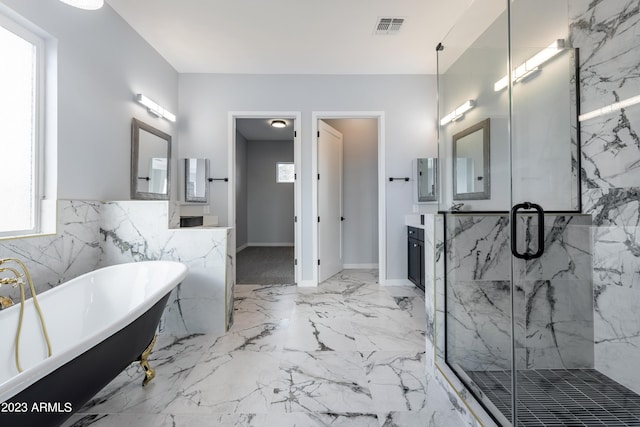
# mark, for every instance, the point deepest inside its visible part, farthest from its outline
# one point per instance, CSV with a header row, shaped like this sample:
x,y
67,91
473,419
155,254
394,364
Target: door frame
x,y
296,116
382,218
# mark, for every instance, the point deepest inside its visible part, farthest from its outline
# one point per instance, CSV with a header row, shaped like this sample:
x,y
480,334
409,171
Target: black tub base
x,y
54,398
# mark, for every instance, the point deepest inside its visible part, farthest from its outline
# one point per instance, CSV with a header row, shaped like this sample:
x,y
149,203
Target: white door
x,y
329,201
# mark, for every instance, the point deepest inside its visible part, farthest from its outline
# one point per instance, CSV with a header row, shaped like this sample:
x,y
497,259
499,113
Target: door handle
x,y
514,241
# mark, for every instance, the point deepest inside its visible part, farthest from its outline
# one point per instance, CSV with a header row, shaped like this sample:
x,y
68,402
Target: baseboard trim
x,y
307,284
396,282
359,266
272,244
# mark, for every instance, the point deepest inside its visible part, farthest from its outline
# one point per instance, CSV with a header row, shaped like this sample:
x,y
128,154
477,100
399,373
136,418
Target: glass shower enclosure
x,y
539,153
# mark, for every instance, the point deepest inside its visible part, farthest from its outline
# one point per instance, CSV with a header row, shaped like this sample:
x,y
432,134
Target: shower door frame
x,y
485,403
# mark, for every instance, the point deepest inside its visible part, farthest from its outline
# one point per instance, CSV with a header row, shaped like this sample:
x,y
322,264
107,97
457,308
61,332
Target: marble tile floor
x,y
348,353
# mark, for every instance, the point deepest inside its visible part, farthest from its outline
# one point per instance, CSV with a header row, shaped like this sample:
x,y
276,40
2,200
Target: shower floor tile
x,y
576,397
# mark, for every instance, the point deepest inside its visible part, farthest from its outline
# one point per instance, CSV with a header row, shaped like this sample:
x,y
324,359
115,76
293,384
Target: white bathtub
x,y
80,315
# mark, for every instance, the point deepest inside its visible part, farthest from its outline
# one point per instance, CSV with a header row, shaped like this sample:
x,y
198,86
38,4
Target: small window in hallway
x,y
285,172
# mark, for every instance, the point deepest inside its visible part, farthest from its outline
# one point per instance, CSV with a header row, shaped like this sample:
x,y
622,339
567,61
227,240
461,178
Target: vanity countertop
x,y
414,220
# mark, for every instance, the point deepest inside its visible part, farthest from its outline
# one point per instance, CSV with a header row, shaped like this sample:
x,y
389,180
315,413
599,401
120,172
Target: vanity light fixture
x,y
458,112
531,65
85,4
278,124
154,108
610,108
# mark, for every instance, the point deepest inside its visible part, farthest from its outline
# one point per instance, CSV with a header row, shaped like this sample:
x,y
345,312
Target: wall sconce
x,y
278,124
154,108
85,4
610,108
531,65
458,112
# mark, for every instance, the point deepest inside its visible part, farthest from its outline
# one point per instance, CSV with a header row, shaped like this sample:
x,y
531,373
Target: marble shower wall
x,y
97,234
608,35
554,321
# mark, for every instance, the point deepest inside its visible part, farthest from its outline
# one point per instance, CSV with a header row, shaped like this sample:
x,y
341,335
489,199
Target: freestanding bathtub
x,y
98,324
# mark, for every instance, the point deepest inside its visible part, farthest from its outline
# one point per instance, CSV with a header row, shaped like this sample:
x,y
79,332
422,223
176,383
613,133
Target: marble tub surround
x,y
137,230
57,258
608,35
92,234
264,372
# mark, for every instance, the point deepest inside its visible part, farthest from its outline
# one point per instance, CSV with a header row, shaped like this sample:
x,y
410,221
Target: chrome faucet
x,y
456,207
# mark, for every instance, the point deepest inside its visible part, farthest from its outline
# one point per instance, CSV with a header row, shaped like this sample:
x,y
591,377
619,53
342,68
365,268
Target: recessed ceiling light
x,y
85,4
278,124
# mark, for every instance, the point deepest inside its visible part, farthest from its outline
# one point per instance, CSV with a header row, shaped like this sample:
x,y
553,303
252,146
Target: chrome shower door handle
x,y
514,241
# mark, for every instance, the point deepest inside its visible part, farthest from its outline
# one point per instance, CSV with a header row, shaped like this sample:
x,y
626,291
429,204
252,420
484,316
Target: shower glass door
x,y
574,258
473,330
539,147
550,238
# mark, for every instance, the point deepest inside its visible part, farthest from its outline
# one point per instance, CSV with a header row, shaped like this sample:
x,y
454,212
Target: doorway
x,y
348,194
265,198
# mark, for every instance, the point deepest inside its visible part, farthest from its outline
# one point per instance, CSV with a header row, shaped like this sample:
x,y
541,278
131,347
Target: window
x,y
285,172
21,86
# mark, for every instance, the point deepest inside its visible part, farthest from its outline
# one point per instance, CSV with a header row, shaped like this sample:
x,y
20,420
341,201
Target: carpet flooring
x,y
259,265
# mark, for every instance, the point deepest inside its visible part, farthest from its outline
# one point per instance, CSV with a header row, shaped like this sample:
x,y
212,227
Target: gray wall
x,y
359,190
102,64
242,234
270,204
407,101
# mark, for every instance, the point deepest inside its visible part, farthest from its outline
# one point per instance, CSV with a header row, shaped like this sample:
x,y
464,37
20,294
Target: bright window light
x,y
19,130
285,172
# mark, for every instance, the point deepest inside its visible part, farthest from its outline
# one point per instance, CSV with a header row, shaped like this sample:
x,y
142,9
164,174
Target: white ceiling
x,y
292,36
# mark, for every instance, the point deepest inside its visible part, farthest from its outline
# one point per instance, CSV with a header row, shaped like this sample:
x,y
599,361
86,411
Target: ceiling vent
x,y
388,26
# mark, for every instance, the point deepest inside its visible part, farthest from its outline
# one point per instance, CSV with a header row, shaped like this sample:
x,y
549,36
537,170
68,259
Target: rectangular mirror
x,y
196,174
150,162
425,175
471,169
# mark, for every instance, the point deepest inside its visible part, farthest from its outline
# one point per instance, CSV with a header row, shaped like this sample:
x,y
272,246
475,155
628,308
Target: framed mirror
x,y
150,162
426,171
196,185
471,168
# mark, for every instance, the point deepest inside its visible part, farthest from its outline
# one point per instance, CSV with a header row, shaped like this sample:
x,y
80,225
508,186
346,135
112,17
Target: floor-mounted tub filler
x,y
97,324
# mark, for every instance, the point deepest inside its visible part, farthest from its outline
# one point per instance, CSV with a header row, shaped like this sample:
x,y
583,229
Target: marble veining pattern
x,y
271,369
92,234
137,230
608,35
554,322
55,259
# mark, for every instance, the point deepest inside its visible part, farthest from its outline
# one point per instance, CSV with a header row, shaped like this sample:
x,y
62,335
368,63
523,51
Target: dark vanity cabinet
x,y
416,256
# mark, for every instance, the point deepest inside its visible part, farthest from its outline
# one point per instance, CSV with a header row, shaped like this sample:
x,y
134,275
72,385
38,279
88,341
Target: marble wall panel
x,y
553,300
608,35
138,231
94,234
479,324
477,247
55,259
617,335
